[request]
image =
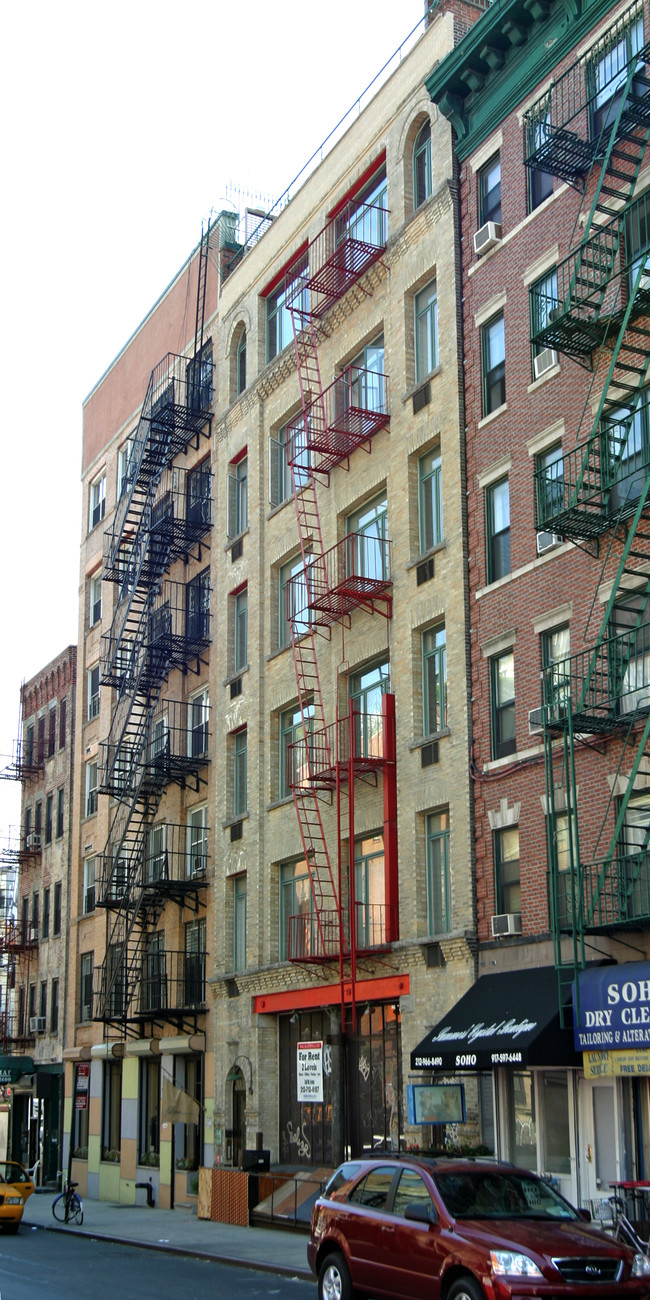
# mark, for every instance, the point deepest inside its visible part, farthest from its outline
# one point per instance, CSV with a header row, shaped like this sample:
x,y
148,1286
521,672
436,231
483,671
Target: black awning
x,y
510,1019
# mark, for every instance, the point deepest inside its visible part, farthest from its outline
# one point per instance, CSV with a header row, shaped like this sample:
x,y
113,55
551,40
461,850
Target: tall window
x,y
489,191
609,73
540,184
91,789
370,891
367,547
197,841
194,973
430,499
45,923
363,383
434,674
550,483
503,705
240,773
197,607
238,498
555,655
293,601
628,452
198,494
111,1109
239,923
366,690
49,817
198,378
240,630
59,812
493,351
241,363
56,919
543,301
438,881
54,1007
62,722
86,986
280,482
295,901
149,1108
92,691
279,331
89,885
42,1002
367,218
426,331
123,467
51,732
97,502
506,865
95,601
422,165
498,530
198,719
292,732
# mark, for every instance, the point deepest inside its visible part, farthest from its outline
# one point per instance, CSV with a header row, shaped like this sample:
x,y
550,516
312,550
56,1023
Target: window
x,y
59,812
62,721
49,818
498,530
241,363
363,382
550,483
430,499
197,607
367,541
438,881
434,675
294,612
422,166
199,380
198,714
199,494
543,302
294,764
370,893
93,691
45,924
279,330
32,1001
42,1002
95,601
149,1108
240,777
156,863
503,705
54,1007
609,72
426,331
40,742
411,1190
97,502
91,789
38,817
493,351
89,885
637,232
239,923
280,481
540,186
56,923
197,841
194,974
86,1009
123,467
51,729
35,912
506,864
296,902
489,191
240,638
365,219
238,498
555,655
374,1189
111,1109
366,690
628,452
29,744
27,827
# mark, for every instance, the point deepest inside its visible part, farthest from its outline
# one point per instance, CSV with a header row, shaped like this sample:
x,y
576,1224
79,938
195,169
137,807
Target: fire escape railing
x,y
347,415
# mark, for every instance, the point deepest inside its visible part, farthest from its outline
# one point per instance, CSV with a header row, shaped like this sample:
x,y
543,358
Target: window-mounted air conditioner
x,y
487,237
506,923
33,841
546,541
37,1024
535,721
33,934
544,361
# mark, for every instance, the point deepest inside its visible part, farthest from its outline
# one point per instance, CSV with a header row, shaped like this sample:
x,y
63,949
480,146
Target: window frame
x,y
425,314
237,514
292,568
438,891
97,501
240,773
89,885
502,709
422,166
240,629
91,788
493,374
503,887
434,652
86,969
95,600
489,206
60,813
430,494
291,732
196,829
239,907
499,564
292,900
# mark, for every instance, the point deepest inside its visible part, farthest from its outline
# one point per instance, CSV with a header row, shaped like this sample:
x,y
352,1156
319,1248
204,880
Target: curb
x,y
280,1270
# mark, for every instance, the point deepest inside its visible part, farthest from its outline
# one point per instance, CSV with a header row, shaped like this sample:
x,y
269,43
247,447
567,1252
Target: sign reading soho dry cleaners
x,y
613,1008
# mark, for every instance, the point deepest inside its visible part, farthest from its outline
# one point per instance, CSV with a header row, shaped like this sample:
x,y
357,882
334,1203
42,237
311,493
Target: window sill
x,y
487,419
231,540
415,388
426,555
239,672
232,821
543,379
426,740
280,506
285,802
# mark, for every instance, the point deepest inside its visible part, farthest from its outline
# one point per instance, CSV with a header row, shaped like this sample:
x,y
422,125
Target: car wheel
x,y
334,1279
466,1288
11,1227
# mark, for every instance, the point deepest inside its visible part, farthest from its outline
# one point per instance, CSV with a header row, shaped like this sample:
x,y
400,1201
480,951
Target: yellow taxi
x,y
15,1186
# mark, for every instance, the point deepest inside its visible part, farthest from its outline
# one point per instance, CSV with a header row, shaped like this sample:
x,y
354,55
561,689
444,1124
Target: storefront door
x,y
600,1138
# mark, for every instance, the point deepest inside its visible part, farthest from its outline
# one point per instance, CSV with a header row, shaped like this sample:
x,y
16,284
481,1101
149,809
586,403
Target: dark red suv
x,y
461,1230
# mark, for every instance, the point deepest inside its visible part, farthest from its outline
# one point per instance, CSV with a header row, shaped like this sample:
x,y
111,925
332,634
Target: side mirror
x,y
585,1214
421,1213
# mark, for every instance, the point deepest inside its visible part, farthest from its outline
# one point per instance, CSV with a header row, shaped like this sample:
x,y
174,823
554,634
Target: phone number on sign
x,y
506,1058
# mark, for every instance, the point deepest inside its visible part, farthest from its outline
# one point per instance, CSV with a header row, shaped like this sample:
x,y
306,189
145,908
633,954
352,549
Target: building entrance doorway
x,y
600,1138
238,1116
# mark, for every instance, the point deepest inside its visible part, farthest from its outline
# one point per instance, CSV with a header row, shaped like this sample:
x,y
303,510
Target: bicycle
x,y
67,1207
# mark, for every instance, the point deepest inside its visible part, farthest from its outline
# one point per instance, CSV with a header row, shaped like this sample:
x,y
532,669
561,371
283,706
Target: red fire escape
x,y
354,573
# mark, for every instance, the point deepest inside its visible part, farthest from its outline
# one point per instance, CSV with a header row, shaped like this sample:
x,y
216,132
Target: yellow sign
x,y
601,1065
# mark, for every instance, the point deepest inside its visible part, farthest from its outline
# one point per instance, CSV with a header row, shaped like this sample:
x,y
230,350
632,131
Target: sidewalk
x,y
179,1231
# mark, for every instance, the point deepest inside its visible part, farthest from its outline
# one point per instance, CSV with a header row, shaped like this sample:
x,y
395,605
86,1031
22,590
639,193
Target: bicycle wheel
x,y
76,1210
58,1207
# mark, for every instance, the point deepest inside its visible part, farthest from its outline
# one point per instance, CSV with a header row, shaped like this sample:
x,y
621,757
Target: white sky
x,y
123,126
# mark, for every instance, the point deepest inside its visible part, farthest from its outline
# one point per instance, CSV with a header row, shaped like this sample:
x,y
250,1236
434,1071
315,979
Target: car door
x,y
361,1225
410,1256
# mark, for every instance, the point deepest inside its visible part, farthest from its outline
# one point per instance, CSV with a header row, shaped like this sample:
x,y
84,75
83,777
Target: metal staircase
x,y
594,123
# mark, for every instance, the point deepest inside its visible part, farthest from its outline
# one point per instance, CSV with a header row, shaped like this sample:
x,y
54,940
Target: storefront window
x,y
522,1120
554,1098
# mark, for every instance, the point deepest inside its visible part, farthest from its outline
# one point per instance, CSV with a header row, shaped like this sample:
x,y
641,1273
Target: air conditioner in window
x,y
33,934
546,541
487,237
535,721
37,1024
33,841
506,923
544,361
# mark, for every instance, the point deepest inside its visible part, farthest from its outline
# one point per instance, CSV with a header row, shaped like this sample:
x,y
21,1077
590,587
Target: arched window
x,y
241,363
422,165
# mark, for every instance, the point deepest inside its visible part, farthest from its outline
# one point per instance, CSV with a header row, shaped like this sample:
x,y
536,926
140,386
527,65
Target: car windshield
x,y
10,1173
496,1194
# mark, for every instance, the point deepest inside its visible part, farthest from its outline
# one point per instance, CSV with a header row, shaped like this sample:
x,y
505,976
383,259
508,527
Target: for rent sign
x,y
613,1008
310,1071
